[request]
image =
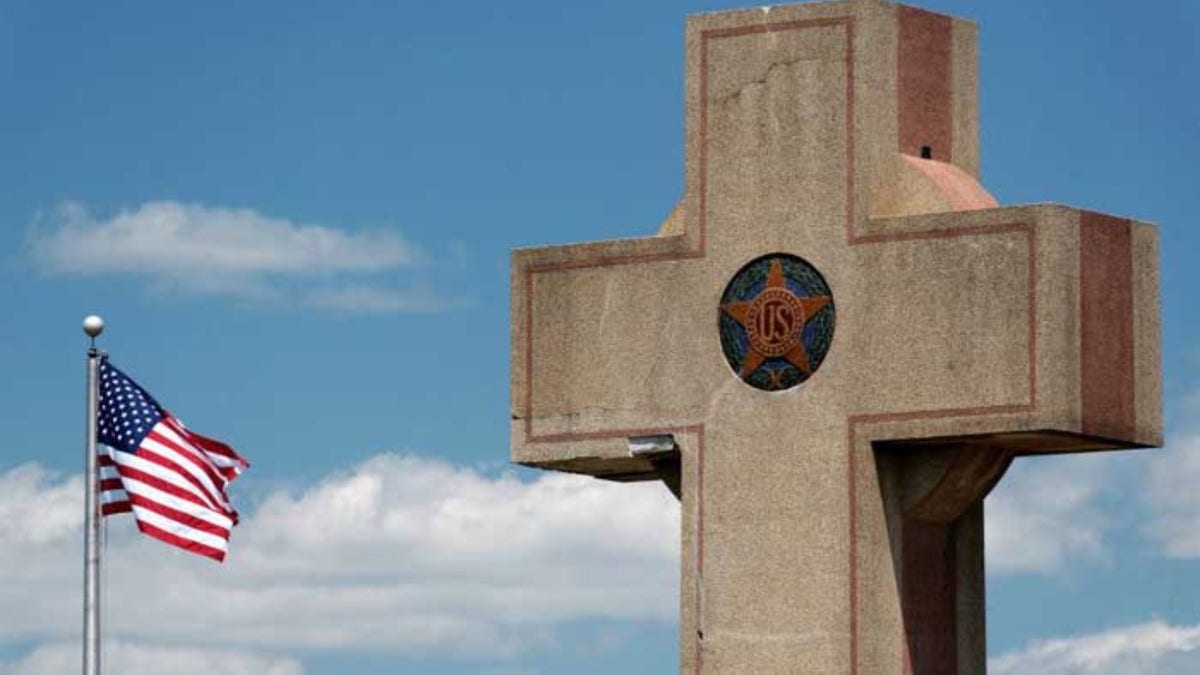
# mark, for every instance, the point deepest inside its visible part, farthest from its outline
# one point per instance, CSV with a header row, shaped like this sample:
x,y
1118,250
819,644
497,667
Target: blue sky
x,y
296,220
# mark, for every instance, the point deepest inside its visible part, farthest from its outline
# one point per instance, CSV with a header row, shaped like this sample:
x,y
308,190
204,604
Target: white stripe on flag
x,y
113,496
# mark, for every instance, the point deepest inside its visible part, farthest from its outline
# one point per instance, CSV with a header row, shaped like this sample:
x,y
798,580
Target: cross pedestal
x,y
845,336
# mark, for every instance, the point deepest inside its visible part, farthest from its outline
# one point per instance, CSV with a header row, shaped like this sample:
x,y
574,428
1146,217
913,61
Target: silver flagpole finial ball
x,y
93,325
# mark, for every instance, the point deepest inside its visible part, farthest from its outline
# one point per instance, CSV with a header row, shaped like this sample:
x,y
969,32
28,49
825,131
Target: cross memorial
x,y
836,344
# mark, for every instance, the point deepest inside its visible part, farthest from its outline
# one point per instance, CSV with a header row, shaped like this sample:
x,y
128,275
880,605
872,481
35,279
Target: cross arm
x,y
1069,358
602,335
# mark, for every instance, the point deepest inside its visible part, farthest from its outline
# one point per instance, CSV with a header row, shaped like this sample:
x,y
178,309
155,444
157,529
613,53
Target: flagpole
x,y
92,326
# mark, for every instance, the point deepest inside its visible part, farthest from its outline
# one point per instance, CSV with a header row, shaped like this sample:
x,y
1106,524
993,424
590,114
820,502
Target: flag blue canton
x,y
127,413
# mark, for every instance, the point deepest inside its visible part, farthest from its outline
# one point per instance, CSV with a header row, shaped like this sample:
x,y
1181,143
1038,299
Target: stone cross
x,y
838,340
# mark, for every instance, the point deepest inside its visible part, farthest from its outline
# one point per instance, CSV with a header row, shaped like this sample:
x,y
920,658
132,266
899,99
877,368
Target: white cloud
x,y
374,300
186,240
1046,513
37,507
401,554
1173,496
133,659
193,248
1154,648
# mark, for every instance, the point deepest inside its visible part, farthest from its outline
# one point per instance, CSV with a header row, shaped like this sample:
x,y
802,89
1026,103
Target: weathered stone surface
x,y
967,334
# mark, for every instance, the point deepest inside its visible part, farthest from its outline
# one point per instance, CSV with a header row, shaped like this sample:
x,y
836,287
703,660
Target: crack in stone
x,y
585,413
762,81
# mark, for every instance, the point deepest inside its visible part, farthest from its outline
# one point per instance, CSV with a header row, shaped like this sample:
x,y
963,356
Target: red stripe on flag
x,y
115,507
107,484
166,486
213,501
201,461
143,502
221,456
185,544
209,445
194,457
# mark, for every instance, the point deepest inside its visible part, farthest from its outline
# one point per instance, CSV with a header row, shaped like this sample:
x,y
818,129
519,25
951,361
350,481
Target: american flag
x,y
172,479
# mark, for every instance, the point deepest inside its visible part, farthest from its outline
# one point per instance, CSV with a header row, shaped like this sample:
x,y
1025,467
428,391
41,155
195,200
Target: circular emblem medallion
x,y
776,321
